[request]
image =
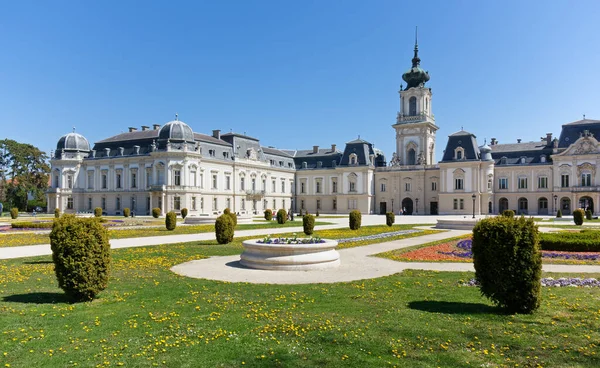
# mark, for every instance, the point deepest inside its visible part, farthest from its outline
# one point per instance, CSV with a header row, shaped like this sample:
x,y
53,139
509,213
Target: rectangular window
x,y
228,201
104,181
283,186
273,186
433,186
543,182
459,184
407,187
201,203
318,186
283,203
103,203
243,204
177,177
90,204
586,180
70,203
90,180
133,180
148,178
274,204
118,205
564,180
335,204
193,178
228,182
177,203
264,185
334,186
455,203
352,186
383,187
503,183
119,182
133,205
352,204
201,180
318,204
302,188
242,183
522,183
462,204
214,204
253,184
214,181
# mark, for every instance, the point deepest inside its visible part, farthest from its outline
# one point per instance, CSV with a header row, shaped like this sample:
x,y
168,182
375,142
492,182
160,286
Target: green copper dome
x,y
415,76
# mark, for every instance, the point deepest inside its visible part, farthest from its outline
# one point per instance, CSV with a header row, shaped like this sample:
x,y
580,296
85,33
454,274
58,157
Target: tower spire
x,y
416,61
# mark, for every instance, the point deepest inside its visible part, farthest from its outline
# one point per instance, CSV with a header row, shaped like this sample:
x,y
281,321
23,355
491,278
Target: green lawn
x,y
151,317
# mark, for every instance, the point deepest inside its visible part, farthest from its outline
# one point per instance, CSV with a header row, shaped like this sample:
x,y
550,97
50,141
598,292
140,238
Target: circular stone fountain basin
x,y
290,257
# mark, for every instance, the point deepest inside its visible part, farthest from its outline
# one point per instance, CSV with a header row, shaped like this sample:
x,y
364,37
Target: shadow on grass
x,y
38,298
38,262
436,306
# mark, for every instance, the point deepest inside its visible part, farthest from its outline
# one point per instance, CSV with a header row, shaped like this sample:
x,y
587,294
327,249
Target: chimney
x,y
494,142
132,129
155,126
333,148
145,127
315,149
217,134
548,139
519,140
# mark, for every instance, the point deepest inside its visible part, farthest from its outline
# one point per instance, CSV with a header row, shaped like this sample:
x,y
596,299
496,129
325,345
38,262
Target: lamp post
x,y
473,196
555,208
392,205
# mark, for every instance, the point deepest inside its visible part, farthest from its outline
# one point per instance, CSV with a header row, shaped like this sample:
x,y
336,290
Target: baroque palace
x,y
172,167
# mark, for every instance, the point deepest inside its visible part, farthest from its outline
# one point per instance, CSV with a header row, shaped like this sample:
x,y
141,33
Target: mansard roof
x,y
326,157
513,153
572,131
465,140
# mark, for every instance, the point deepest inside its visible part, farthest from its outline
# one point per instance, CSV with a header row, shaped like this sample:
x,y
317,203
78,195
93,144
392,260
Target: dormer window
x,y
523,160
503,160
543,158
459,153
353,159
304,164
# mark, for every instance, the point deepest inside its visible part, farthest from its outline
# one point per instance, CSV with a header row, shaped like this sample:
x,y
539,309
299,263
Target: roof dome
x,y
73,142
415,76
486,152
176,130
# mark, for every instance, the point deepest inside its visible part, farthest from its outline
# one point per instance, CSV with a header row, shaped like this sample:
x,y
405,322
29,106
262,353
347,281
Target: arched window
x,y
353,159
411,157
523,206
502,205
412,106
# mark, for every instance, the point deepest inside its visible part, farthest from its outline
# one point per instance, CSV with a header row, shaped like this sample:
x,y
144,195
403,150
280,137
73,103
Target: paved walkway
x,y
356,264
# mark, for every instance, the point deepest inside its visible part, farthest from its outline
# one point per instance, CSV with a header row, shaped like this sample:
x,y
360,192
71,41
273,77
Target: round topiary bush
x,y
126,212
56,212
308,222
355,219
578,216
184,213
224,229
156,212
81,255
390,218
233,216
588,214
98,212
281,216
558,214
508,262
14,213
268,215
508,213
171,221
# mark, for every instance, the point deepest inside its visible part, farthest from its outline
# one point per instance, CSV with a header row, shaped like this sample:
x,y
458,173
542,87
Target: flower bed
x,y
294,240
551,282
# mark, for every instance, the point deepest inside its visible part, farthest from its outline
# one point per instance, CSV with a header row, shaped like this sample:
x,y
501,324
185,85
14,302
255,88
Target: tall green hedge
x,y
126,212
508,262
171,221
308,223
268,215
355,219
98,212
588,214
566,241
390,218
281,216
81,255
224,229
578,216
156,212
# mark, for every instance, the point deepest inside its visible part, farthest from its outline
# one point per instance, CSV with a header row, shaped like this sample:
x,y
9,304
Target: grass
x,y
30,238
149,316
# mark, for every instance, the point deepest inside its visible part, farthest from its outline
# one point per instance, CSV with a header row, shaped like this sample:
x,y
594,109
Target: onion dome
x,y
176,131
415,76
486,152
73,142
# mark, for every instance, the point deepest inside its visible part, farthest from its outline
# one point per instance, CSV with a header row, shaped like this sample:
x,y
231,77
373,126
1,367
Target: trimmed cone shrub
x,y
588,214
156,212
98,212
233,216
184,212
508,213
268,215
81,255
578,216
317,214
308,222
558,214
508,262
56,212
126,212
14,213
390,218
355,219
224,229
171,221
281,216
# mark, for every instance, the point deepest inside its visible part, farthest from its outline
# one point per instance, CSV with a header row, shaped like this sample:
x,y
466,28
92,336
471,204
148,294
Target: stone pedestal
x,y
290,257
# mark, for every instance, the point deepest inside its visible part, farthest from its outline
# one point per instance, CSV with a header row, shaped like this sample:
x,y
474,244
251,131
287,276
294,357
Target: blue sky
x,y
295,74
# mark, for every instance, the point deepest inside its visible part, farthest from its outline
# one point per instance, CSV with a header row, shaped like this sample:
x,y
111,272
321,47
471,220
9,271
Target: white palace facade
x,y
172,167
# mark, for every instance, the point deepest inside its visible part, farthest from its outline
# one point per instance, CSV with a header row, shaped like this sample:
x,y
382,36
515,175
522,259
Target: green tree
x,y
24,169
